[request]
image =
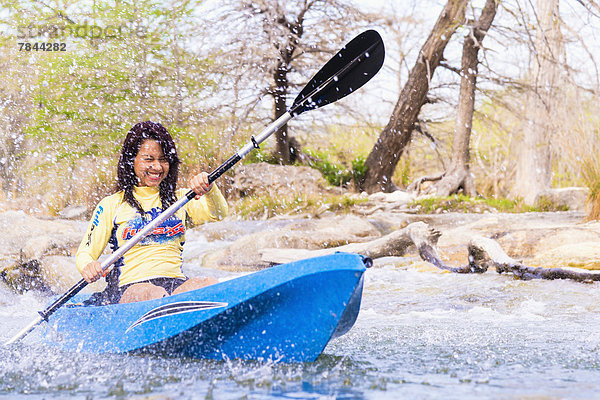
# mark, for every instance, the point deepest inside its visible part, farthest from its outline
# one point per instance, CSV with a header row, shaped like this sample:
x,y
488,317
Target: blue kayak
x,y
286,313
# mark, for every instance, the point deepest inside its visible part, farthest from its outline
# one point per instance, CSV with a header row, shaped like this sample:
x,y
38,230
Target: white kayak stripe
x,y
174,309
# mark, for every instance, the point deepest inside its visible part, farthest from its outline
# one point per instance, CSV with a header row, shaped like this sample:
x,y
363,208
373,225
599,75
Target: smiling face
x,y
150,164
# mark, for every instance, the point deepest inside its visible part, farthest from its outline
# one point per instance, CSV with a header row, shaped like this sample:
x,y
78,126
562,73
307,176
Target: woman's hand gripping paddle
x,y
347,71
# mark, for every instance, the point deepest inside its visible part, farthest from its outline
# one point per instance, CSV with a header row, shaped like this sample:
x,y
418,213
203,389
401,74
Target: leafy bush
x,y
334,174
359,168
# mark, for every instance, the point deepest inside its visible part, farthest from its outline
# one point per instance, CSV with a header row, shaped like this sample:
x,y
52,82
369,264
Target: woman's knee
x,y
195,283
142,292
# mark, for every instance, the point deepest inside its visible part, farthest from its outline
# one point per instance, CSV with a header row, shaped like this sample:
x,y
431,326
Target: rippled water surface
x,y
419,335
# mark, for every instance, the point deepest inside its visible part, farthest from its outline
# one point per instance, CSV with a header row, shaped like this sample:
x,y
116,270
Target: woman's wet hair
x,y
126,178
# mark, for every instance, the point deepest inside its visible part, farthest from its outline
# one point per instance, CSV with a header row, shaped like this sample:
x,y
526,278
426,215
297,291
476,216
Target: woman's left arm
x,y
200,185
209,204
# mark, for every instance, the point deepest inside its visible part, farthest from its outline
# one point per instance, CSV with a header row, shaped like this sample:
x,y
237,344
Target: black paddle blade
x,y
347,71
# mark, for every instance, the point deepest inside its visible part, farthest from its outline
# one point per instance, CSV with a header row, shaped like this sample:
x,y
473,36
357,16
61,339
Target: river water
x,y
421,335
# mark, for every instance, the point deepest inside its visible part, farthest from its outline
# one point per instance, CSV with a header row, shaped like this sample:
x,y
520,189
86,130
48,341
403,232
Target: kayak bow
x,y
285,313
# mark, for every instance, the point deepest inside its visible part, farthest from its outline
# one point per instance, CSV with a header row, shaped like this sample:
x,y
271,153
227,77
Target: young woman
x,y
146,185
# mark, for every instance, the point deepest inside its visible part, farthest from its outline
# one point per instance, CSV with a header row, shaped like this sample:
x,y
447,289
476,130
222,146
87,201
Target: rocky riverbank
x,y
37,252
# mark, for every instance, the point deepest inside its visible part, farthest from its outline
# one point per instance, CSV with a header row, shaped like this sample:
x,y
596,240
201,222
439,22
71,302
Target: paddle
x,y
347,71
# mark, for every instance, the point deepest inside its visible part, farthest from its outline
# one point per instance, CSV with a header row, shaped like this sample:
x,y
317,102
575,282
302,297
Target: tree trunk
x,y
534,168
458,174
283,145
282,142
381,162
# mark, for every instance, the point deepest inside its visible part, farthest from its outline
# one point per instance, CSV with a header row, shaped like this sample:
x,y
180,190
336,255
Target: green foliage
x,y
359,168
87,97
462,203
334,174
76,106
255,207
404,171
261,155
343,203
339,151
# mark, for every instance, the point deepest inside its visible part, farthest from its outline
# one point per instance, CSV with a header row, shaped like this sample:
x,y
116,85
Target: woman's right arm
x,y
92,272
95,240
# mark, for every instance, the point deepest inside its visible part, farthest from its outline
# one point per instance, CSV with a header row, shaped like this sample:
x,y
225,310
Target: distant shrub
x,y
359,168
334,174
591,177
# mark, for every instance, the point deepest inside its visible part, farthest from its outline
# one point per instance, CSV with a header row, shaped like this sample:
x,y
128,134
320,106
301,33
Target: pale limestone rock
x,y
575,198
308,234
397,196
584,255
277,180
27,239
